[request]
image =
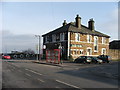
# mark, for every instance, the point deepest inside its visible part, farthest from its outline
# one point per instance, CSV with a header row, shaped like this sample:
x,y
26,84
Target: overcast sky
x,y
22,20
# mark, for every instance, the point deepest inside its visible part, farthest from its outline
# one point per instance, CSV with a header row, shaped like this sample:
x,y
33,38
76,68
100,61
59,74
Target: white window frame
x,y
77,36
96,43
81,51
89,37
103,40
90,49
102,51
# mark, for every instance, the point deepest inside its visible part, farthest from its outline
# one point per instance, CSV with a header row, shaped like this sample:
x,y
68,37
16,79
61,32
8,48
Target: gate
x,y
53,56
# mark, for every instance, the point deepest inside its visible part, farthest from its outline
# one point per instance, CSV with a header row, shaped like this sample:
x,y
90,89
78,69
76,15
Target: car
x,y
83,59
105,58
96,60
6,57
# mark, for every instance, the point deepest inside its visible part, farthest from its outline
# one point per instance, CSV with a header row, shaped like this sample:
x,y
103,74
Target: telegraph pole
x,y
39,40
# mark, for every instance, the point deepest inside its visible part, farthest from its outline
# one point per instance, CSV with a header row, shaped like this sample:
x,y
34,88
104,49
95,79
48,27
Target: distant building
x,y
115,44
114,49
76,39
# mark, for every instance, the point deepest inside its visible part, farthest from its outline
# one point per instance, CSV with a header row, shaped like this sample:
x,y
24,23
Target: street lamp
x,y
60,47
39,39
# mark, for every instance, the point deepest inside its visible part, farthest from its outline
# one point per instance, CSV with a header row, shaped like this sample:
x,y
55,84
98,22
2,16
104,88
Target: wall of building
x,y
84,43
114,53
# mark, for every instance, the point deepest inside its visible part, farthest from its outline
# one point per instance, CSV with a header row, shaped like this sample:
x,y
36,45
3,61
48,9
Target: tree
x,y
28,51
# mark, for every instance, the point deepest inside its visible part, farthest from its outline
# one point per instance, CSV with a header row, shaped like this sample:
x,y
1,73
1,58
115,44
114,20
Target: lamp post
x,y
60,47
39,39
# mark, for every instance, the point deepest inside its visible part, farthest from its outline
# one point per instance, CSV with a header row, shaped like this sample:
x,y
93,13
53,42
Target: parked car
x,y
105,58
96,60
83,59
6,57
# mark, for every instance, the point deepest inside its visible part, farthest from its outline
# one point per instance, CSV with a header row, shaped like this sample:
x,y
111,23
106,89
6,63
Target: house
x,y
75,39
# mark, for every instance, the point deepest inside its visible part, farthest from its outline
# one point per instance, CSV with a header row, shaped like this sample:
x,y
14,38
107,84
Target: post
x,y
39,40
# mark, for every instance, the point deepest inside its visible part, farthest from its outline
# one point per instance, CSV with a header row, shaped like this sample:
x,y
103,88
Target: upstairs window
x,y
89,38
62,36
95,43
103,40
77,37
54,38
47,39
57,37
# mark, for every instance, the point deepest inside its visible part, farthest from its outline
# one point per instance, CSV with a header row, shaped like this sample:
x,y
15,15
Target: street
x,y
26,74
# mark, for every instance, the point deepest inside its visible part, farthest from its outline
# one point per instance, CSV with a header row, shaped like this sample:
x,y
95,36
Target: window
x,y
77,36
81,51
95,43
89,38
76,45
62,36
103,40
53,37
103,51
47,39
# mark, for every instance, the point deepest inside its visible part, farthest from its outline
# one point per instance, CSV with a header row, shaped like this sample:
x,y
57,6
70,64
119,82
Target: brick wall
x,y
85,45
114,53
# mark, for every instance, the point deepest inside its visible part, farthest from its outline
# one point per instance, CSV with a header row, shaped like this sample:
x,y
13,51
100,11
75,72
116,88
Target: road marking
x,y
40,80
67,84
33,71
28,74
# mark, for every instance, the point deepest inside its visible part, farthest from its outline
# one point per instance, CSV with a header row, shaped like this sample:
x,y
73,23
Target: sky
x,y
21,21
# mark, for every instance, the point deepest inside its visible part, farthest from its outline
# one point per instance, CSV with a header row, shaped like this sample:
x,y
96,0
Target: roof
x,y
70,27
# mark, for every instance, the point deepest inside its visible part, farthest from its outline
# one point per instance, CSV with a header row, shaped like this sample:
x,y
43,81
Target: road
x,y
26,74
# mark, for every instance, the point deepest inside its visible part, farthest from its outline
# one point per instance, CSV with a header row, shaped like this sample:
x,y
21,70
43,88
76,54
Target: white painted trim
x,y
102,51
95,43
68,44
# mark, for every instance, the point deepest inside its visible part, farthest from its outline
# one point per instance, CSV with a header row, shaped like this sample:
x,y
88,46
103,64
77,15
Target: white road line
x,y
27,74
67,84
40,80
33,71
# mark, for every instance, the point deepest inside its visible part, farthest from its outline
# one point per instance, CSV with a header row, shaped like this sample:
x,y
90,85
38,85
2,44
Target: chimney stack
x,y
91,24
64,23
78,22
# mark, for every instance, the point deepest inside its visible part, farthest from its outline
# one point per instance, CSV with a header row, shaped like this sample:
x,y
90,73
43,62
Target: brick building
x,y
75,39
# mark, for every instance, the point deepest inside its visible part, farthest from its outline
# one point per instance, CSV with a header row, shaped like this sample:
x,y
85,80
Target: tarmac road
x,y
22,74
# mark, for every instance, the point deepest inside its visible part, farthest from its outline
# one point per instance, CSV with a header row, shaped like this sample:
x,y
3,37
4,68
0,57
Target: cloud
x,y
20,42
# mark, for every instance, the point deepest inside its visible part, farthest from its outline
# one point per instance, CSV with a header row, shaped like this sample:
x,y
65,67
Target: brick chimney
x,y
64,23
91,24
78,22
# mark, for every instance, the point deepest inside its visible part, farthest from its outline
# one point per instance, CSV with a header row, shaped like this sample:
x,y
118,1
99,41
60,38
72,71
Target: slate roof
x,y
70,27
